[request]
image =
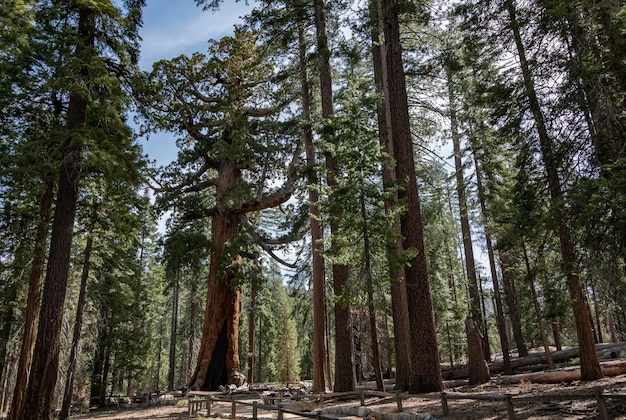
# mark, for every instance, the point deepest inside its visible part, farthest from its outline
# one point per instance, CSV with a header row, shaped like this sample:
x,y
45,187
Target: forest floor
x,y
552,409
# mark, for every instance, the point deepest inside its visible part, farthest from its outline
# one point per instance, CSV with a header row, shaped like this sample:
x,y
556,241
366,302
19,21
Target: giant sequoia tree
x,y
222,105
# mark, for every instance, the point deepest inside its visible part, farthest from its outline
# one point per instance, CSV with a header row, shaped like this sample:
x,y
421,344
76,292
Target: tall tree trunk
x,y
476,366
218,358
370,299
251,334
589,366
43,374
344,354
34,298
530,273
192,330
500,321
510,294
399,305
319,302
97,367
425,369
171,372
78,323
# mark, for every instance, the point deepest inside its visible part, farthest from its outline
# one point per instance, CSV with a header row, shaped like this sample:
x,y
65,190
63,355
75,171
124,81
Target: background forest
x,y
361,187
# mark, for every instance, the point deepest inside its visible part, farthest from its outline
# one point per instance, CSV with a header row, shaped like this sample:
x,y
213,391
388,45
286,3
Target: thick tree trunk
x,y
399,305
425,371
320,382
477,374
590,369
43,374
78,323
344,354
34,298
218,358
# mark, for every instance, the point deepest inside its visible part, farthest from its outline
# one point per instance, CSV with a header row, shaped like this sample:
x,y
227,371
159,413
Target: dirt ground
x,y
552,409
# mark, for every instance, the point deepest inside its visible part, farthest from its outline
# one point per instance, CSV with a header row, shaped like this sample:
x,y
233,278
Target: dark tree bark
x,y
425,370
370,300
317,270
34,298
192,330
43,374
344,355
589,366
173,335
399,306
251,335
78,323
504,339
97,389
476,313
218,358
530,274
510,294
477,374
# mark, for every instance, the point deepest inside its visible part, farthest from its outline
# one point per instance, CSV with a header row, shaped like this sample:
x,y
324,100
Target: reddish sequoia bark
x,y
344,356
425,375
218,358
399,306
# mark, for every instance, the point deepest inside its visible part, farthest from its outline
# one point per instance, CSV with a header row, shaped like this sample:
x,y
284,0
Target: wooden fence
x,y
203,400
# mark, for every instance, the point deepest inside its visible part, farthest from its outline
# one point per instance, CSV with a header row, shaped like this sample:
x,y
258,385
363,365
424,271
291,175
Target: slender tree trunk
x,y
476,366
319,306
173,335
192,330
97,367
589,366
78,323
504,339
399,305
34,298
370,299
425,369
344,352
251,335
510,294
43,374
530,273
596,309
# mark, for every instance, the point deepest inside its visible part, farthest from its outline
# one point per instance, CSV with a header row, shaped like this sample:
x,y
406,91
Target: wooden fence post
x,y
444,404
254,409
602,410
362,395
233,407
321,400
209,400
280,413
509,406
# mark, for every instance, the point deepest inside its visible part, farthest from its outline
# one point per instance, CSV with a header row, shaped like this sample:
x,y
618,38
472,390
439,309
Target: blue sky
x,y
175,27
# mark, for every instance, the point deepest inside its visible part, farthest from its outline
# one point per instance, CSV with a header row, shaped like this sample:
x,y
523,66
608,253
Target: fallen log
x,y
612,368
603,350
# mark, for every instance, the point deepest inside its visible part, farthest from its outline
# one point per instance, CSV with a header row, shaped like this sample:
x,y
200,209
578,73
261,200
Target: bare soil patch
x,y
530,408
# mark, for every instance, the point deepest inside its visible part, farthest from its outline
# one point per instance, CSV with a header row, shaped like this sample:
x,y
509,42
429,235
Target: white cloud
x,y
172,28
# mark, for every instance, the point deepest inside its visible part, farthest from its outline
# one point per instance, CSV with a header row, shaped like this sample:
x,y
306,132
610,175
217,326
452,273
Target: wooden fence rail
x,y
198,401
